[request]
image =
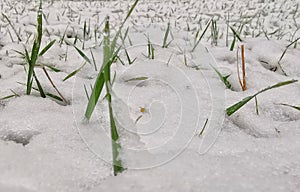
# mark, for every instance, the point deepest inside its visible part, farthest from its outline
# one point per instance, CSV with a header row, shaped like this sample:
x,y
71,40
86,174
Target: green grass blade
x,y
236,34
232,109
74,72
83,55
114,41
93,59
53,68
35,49
45,49
137,79
237,106
166,36
292,106
202,35
224,79
7,97
12,26
40,88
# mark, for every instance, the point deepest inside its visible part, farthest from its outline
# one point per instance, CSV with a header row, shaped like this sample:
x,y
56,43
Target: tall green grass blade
x,y
45,49
202,35
232,109
35,49
98,86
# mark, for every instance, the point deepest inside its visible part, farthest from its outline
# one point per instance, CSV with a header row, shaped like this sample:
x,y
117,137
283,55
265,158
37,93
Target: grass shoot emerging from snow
x,y
232,109
110,53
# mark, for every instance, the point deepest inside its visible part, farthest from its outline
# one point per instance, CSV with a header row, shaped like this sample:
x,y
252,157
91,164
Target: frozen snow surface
x,y
160,105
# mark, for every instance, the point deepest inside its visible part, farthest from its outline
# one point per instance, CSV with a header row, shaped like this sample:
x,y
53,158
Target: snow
x,y
48,146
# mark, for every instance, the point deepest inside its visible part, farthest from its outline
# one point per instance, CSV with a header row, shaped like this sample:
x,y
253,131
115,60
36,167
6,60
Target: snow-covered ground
x,y
160,104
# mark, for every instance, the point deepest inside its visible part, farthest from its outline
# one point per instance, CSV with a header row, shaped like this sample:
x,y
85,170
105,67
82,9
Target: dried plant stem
x,y
242,81
53,85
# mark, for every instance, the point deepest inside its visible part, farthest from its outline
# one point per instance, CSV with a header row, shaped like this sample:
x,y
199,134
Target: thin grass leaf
x,y
292,106
232,109
7,97
84,34
202,35
137,119
93,59
114,41
54,97
224,79
19,52
203,128
47,94
35,49
63,37
137,79
53,68
86,92
128,58
40,88
12,26
74,72
45,49
83,55
236,34
166,36
256,105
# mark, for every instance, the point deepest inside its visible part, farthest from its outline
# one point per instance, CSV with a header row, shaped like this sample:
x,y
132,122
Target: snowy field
x,y
168,98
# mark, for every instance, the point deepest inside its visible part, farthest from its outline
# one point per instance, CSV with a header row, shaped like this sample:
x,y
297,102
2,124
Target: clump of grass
x,y
232,109
35,52
32,59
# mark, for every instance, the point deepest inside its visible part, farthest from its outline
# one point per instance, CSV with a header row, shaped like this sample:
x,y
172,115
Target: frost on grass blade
x,y
232,109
